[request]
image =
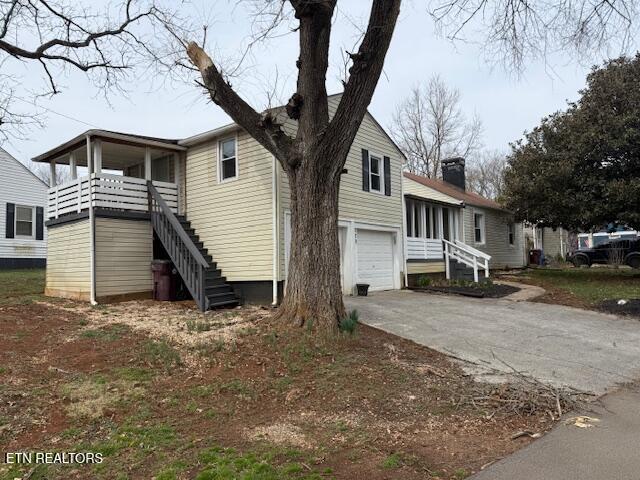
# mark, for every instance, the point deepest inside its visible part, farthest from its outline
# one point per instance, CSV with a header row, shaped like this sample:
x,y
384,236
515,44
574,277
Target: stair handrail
x,y
474,251
461,252
183,252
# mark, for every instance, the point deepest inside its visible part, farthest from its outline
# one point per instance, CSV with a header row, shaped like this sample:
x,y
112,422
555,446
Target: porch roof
x,y
117,148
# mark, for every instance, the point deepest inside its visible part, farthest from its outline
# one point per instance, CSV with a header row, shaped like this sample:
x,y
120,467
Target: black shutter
x,y
365,170
11,219
39,223
387,176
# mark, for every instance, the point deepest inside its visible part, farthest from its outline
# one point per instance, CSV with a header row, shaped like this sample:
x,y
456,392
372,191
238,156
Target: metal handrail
x,y
184,254
468,255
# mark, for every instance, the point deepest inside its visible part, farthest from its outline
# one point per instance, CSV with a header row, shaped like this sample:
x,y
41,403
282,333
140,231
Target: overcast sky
x,y
506,104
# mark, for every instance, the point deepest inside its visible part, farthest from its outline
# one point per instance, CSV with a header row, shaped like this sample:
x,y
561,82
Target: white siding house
x,y
23,196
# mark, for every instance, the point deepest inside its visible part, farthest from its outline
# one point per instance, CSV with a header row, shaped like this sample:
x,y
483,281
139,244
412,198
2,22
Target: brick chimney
x,y
453,171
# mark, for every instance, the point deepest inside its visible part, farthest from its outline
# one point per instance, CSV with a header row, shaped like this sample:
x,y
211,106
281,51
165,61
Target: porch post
x,y
52,174
97,149
147,163
176,179
89,156
73,166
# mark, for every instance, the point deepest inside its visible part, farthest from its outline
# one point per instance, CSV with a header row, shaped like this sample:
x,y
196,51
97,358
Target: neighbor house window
x,y
227,160
24,221
478,227
511,233
376,174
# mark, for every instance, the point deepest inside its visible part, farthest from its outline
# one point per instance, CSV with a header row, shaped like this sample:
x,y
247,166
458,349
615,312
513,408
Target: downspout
x,y
92,228
275,229
404,228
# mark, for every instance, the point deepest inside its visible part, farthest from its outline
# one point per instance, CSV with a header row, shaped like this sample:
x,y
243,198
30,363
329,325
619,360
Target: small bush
x,y
349,323
424,281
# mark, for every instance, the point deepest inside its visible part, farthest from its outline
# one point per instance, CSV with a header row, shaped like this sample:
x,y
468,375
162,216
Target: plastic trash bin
x,y
163,282
535,257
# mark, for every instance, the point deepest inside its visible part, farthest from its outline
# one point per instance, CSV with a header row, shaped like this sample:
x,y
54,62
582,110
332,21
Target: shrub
x,y
424,281
349,323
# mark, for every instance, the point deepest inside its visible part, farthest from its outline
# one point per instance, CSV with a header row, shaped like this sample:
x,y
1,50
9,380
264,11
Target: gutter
x,y
211,134
92,228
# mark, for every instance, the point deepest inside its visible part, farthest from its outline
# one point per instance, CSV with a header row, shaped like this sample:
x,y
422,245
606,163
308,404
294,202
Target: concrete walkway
x,y
587,350
608,450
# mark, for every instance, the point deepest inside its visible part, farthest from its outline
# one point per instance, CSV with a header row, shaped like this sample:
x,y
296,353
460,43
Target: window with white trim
x,y
227,160
25,219
376,174
478,227
511,233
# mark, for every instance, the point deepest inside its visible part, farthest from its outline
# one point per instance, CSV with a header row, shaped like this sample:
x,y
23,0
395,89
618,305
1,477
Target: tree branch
x,y
364,73
261,127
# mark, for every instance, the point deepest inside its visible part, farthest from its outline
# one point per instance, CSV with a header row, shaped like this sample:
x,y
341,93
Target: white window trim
x,y
510,226
381,158
33,222
483,233
237,175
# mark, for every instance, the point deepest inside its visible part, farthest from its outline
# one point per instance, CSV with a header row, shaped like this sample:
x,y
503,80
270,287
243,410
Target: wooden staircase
x,y
217,291
199,272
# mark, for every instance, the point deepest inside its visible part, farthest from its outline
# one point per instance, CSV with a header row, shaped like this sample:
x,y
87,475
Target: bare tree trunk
x,y
314,158
313,292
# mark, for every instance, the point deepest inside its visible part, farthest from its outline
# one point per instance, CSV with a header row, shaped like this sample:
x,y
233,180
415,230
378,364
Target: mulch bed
x,y
493,291
630,308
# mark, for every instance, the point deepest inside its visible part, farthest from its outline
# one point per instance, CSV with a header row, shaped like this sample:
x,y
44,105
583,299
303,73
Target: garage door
x,y
375,259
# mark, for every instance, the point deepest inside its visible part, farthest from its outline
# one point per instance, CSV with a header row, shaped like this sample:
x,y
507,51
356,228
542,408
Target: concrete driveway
x,y
562,345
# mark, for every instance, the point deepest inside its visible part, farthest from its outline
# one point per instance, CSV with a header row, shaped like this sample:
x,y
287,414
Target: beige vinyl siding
x,y
412,187
354,203
496,243
425,267
124,250
68,260
234,218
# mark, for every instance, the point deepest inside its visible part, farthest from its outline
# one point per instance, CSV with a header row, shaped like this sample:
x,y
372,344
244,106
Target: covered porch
x,y
110,170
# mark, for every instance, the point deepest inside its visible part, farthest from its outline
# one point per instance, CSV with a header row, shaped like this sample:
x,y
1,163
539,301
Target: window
x,y
511,233
227,160
417,219
427,223
24,221
376,173
478,227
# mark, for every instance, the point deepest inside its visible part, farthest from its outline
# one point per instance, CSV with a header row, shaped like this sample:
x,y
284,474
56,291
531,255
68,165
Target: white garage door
x,y
375,259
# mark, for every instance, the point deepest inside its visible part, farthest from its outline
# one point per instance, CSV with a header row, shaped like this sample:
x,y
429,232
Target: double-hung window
x,y
25,221
376,174
511,233
227,160
478,228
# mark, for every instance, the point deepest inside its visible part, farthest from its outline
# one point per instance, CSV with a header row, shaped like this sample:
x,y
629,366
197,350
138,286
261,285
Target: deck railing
x,y
183,253
424,249
109,191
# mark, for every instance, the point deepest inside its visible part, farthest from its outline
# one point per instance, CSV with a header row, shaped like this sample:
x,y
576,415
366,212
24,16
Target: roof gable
x,y
20,170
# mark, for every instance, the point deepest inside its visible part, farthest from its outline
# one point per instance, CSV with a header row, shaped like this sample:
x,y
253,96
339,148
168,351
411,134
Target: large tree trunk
x,y
314,158
314,294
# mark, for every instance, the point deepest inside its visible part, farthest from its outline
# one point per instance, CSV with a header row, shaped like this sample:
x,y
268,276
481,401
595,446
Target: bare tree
x,y
43,172
313,158
105,44
485,173
514,31
429,125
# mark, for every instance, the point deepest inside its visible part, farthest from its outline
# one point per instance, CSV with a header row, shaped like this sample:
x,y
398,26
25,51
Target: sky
x,y
507,104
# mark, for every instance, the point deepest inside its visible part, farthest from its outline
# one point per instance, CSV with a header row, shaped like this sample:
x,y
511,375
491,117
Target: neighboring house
x,y
554,242
230,237
23,196
438,210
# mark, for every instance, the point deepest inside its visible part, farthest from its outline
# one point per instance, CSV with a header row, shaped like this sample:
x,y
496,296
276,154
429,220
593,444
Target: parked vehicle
x,y
621,251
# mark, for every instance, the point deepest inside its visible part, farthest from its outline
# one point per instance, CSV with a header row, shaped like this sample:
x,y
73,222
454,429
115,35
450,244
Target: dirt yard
x,y
165,392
